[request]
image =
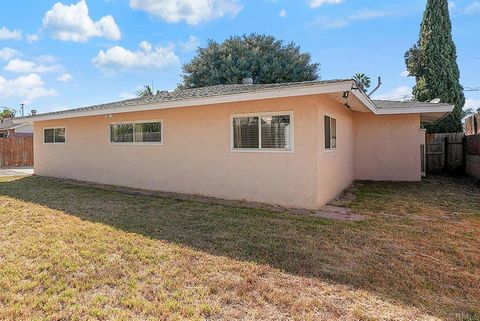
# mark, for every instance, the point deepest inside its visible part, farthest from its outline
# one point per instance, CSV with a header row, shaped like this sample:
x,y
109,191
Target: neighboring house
x,y
472,124
8,128
296,144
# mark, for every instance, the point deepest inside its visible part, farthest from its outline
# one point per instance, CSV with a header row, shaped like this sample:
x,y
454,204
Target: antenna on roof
x,y
376,88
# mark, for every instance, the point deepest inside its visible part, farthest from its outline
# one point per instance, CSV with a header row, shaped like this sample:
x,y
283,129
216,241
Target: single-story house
x,y
293,144
9,128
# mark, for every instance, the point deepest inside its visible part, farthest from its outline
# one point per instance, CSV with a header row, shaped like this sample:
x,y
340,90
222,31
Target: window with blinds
x,y
330,125
141,132
262,132
54,135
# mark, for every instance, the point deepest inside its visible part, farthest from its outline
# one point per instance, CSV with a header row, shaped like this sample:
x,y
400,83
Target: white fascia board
x,y
264,94
421,110
365,100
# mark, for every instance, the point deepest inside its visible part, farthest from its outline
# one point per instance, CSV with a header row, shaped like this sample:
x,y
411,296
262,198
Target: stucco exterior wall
x,y
335,170
196,157
387,147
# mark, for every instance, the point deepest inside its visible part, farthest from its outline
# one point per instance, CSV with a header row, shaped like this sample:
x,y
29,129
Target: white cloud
x,y
451,6
9,53
330,23
7,34
32,38
73,23
399,93
318,3
192,12
191,44
282,13
126,95
66,77
27,67
472,103
147,57
472,8
28,87
326,22
367,14
404,73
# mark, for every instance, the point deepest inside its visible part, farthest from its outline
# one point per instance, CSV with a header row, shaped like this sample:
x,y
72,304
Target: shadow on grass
x,y
356,254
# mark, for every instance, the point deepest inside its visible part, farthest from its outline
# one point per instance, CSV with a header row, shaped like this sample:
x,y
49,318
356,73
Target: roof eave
x,y
293,91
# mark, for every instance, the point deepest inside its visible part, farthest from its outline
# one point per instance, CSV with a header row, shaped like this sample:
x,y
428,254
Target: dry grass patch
x,y
76,252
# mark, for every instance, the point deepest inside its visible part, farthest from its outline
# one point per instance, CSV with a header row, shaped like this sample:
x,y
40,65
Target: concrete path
x,y
16,171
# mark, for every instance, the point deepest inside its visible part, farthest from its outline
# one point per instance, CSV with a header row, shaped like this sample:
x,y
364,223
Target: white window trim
x,y
328,150
259,149
133,122
54,143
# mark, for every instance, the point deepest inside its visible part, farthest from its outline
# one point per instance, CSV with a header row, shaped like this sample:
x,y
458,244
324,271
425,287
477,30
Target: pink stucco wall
x,y
196,156
387,147
335,170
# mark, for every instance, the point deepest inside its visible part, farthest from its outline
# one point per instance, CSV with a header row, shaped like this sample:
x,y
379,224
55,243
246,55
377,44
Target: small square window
x,y
54,135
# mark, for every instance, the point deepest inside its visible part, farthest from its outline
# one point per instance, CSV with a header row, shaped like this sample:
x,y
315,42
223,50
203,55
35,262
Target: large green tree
x,y
260,57
433,63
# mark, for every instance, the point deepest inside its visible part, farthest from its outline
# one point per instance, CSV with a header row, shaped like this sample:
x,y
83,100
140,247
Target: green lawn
x,y
69,251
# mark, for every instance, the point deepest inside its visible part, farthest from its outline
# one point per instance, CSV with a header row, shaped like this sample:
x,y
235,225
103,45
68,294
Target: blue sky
x,y
58,55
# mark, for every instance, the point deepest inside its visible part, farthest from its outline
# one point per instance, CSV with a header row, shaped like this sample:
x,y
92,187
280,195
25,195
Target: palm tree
x,y
362,80
147,91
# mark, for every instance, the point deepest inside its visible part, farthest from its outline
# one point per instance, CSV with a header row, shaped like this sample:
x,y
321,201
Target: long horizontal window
x,y
141,132
54,135
268,132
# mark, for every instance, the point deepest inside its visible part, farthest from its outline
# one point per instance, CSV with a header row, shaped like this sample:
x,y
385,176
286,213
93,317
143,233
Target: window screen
x,y
54,135
245,132
121,133
147,132
330,125
262,132
276,132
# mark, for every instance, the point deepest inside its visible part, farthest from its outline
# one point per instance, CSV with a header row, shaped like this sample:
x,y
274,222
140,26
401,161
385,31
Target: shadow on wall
x,y
343,252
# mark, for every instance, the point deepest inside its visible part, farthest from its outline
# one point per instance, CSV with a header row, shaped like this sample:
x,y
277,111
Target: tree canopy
x,y
260,57
7,113
147,91
433,63
363,81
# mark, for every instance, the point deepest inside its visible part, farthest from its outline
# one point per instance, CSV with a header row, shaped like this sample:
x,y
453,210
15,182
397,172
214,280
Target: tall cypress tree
x,y
433,63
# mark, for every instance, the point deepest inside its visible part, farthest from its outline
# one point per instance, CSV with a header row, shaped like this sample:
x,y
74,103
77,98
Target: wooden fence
x,y
16,152
445,152
472,155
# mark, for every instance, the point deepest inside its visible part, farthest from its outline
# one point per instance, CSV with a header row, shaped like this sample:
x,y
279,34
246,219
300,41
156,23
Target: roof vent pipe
x,y
247,81
376,88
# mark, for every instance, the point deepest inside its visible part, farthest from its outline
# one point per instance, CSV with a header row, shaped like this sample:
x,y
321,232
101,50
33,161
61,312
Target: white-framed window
x,y
137,132
330,125
262,132
54,135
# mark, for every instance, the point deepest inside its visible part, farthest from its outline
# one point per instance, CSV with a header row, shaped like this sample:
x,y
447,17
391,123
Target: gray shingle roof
x,y
178,95
6,124
221,90
386,104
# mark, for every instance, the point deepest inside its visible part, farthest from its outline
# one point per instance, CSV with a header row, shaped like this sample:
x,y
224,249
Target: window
x,y
54,135
141,132
268,132
330,132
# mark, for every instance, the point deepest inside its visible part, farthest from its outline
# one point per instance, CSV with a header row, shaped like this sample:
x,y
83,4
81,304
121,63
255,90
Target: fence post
x,y
445,153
